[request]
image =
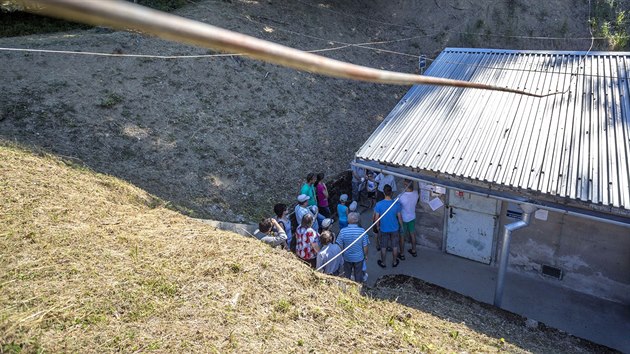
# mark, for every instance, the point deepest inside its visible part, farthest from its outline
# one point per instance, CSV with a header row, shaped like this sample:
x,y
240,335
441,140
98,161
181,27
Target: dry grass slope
x,y
89,263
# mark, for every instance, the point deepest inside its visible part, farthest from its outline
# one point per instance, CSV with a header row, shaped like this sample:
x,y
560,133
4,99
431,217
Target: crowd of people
x,y
313,241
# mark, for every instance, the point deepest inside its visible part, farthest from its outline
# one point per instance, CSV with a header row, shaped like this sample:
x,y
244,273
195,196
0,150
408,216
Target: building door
x,y
470,226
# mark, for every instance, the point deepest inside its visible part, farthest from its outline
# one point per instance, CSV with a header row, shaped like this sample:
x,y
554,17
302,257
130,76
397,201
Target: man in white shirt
x,y
301,208
408,200
358,176
383,179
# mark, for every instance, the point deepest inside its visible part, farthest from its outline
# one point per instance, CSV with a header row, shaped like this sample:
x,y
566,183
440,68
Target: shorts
x,y
394,236
409,227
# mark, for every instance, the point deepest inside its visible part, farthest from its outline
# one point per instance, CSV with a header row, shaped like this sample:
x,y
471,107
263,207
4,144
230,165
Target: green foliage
x,y
610,21
282,306
111,100
236,268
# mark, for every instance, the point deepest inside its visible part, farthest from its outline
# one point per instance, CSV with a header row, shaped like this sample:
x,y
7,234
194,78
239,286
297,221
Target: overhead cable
x,y
128,16
148,56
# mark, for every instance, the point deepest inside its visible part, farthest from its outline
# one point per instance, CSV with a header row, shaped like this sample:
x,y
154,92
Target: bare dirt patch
x,y
227,137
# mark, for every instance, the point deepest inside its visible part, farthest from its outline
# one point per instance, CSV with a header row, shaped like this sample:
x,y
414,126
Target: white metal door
x,y
471,226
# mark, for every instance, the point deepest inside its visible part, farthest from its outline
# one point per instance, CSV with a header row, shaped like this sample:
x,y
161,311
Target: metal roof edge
x,y
529,51
497,194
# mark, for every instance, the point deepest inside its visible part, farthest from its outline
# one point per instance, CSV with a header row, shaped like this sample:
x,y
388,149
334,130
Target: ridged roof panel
x,y
575,144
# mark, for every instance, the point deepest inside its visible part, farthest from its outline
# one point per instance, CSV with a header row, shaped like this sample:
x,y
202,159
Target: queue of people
x,y
313,241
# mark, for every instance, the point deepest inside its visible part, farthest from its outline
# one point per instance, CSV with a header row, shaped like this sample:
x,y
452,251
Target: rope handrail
x,y
360,237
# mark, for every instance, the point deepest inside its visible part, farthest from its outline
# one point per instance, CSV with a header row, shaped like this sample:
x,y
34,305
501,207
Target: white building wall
x,y
593,256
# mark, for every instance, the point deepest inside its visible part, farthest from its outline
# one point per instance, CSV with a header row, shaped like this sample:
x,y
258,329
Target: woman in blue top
x,y
342,211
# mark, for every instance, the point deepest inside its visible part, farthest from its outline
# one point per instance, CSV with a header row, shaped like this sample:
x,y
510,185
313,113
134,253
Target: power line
x,y
447,31
442,61
131,17
573,74
363,45
149,56
342,45
52,51
367,45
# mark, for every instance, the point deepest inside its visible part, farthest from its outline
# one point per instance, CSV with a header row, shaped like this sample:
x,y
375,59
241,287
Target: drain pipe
x,y
528,210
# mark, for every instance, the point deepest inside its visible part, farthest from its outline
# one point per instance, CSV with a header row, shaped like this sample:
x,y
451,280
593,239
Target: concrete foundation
x,y
527,293
591,256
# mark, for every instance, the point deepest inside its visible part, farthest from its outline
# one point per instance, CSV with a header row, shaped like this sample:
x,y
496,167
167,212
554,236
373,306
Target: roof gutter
x,y
380,168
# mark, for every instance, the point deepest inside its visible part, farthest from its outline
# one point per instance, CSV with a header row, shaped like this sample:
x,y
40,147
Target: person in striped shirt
x,y
354,255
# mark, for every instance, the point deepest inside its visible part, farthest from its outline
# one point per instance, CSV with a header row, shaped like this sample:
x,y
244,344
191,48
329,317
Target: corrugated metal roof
x,y
572,145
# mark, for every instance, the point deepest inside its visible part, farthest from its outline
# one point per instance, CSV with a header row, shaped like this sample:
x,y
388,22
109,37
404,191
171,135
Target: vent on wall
x,y
552,271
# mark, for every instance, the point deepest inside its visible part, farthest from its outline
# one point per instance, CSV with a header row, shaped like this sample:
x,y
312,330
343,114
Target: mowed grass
x,y
89,263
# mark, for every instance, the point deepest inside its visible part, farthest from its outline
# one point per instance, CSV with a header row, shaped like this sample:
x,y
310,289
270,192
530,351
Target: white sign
x,y
433,188
436,203
541,214
424,196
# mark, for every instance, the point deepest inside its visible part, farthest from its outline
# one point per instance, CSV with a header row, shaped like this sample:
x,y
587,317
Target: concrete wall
x,y
594,256
429,226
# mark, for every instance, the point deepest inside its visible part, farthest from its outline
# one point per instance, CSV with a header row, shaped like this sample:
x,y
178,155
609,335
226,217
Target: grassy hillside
x,y
89,263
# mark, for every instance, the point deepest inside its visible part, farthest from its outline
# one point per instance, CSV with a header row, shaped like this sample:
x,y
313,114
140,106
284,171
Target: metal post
x,y
505,250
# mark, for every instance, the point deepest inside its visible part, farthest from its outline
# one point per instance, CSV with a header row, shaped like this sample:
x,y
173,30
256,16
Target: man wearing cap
x,y
301,208
356,253
266,233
